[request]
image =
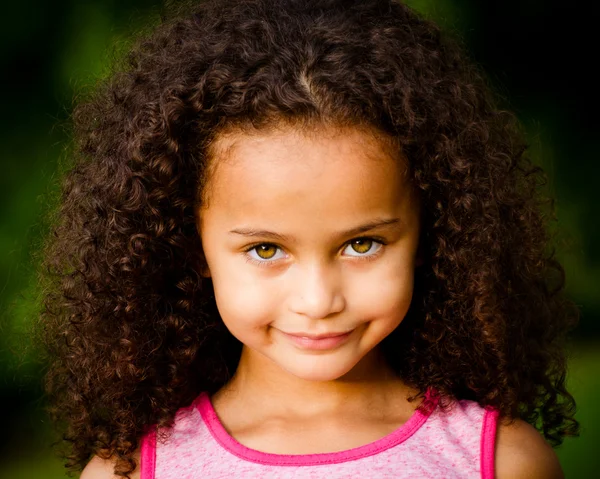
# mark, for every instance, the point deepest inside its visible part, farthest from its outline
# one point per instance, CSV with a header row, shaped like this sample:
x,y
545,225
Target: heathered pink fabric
x,y
456,443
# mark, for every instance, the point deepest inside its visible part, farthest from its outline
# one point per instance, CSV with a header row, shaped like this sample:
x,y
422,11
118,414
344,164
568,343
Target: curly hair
x,y
131,327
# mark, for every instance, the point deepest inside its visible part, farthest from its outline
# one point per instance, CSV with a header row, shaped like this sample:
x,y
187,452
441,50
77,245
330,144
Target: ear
x,y
419,261
204,269
203,265
205,272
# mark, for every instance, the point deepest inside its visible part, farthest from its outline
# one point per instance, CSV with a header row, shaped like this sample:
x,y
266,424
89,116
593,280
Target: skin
x,y
312,189
315,278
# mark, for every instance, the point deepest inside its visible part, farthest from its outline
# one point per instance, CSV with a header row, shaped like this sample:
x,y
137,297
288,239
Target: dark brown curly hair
x,y
131,327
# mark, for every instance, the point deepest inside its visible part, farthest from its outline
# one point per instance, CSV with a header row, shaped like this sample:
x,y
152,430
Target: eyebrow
x,y
370,226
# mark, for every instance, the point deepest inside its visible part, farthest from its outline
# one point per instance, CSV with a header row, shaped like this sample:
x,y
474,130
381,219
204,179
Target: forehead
x,y
289,173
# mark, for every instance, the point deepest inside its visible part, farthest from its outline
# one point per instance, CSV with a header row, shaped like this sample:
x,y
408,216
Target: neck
x,y
262,383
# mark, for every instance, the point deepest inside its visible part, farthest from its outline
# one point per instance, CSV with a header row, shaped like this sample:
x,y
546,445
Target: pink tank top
x,y
456,443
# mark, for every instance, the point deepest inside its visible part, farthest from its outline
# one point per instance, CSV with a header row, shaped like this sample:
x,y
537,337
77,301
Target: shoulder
x,y
522,452
99,468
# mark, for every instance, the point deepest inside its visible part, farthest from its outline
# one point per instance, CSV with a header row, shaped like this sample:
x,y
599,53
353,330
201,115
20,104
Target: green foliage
x,y
579,457
96,36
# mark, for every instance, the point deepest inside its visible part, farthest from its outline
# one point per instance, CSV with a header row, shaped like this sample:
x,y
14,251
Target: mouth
x,y
318,342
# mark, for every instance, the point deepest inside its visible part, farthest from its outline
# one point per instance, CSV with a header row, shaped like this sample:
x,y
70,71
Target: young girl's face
x,y
310,242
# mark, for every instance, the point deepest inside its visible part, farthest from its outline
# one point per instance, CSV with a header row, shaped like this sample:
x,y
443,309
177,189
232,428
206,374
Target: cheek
x,y
386,296
244,304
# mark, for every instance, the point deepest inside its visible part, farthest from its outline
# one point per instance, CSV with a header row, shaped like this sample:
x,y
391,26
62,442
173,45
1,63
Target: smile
x,y
318,342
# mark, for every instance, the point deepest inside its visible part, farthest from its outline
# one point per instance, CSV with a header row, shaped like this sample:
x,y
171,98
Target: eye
x,y
364,245
263,253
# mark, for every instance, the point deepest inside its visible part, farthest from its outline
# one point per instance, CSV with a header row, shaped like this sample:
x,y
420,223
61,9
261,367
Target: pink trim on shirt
x,y
401,434
488,443
148,455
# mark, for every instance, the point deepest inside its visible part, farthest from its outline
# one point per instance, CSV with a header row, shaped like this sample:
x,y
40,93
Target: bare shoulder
x,y
522,452
99,468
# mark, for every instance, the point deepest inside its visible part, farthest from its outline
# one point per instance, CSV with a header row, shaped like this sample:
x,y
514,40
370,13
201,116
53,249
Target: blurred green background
x,y
538,55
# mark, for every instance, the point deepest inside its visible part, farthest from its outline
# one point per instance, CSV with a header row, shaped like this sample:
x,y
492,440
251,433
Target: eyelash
x,y
268,263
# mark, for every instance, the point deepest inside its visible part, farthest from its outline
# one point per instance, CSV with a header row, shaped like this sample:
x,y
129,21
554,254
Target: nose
x,y
317,292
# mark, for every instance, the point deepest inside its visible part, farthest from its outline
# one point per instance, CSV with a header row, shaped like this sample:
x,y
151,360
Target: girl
x,y
301,240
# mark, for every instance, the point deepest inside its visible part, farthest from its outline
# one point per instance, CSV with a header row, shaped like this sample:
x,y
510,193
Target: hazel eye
x,y
361,246
263,252
267,254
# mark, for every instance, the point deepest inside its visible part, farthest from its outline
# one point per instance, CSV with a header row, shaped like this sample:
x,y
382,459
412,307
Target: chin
x,y
320,371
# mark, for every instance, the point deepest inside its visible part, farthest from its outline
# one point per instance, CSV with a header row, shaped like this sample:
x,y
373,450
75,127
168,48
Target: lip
x,y
319,342
318,336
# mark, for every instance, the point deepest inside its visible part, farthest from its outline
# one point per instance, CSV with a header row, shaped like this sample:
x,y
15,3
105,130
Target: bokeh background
x,y
539,55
